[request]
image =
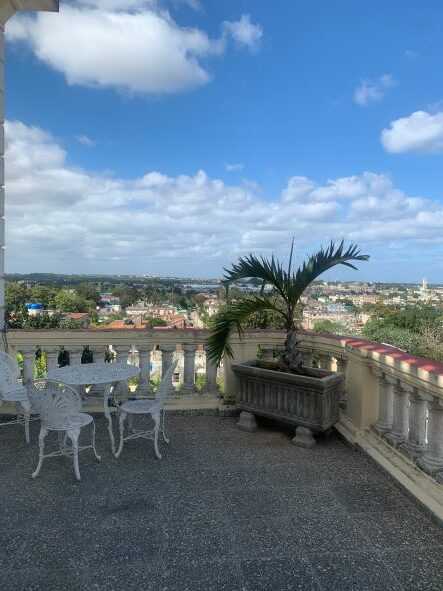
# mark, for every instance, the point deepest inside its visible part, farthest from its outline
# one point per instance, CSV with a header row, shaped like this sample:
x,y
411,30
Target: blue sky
x,y
259,96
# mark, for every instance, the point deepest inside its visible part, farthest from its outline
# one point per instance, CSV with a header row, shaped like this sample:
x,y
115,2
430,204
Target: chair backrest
x,y
55,403
165,385
9,372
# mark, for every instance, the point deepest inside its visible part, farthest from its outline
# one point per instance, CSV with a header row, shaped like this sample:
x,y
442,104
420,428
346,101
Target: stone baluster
x,y
432,459
98,356
210,385
385,403
307,358
98,353
188,369
122,351
28,365
342,364
52,354
325,361
267,353
416,443
144,387
400,414
75,355
167,357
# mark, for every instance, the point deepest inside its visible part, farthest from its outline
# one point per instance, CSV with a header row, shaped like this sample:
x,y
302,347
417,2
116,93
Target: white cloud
x,y
420,132
372,91
130,45
234,167
244,32
85,140
411,55
65,219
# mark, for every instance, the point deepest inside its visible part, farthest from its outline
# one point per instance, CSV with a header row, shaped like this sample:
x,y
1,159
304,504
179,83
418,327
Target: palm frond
x,y
231,318
270,271
322,261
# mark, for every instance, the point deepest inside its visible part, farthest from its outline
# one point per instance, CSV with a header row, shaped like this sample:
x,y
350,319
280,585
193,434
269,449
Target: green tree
x,y
66,301
89,292
329,327
43,294
152,322
287,289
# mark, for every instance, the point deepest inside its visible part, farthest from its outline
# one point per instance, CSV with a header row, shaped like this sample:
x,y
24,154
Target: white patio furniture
x,y
59,408
88,374
12,391
155,408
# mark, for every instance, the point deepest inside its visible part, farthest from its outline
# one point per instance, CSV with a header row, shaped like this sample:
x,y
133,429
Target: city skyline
x,y
189,133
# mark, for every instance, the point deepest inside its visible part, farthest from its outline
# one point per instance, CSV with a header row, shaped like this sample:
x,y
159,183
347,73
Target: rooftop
x,y
223,510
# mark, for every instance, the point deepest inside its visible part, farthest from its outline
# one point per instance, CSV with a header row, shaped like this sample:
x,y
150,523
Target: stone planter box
x,y
310,401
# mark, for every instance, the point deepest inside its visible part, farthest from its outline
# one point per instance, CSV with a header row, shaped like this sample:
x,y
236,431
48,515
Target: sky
x,y
173,136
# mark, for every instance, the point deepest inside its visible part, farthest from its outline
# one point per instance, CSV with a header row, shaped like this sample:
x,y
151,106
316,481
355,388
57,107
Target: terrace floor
x,y
223,510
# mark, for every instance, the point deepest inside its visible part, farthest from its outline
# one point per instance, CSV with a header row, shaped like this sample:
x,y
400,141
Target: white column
x,y
400,414
267,353
75,355
342,364
325,361
167,357
210,386
416,442
307,358
98,356
52,358
28,365
144,387
432,459
385,403
122,352
188,369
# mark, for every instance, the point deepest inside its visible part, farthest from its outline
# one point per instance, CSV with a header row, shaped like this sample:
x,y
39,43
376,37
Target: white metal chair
x,y
59,408
12,391
155,408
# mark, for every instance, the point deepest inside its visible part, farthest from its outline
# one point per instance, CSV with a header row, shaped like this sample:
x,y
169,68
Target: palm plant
x,y
286,290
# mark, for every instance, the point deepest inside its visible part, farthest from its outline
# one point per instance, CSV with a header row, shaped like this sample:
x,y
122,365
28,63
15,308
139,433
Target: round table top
x,y
93,373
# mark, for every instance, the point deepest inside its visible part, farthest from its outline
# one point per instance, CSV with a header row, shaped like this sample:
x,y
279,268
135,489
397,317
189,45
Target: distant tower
x,y
424,284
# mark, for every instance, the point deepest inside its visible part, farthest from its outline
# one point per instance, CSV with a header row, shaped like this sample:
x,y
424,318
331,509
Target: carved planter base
x,y
309,401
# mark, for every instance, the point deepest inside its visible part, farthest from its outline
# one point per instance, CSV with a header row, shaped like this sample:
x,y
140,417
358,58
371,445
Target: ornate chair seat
x,y
154,408
12,391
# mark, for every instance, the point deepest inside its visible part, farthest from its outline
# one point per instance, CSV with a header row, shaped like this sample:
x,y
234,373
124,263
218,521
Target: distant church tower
x,y
424,284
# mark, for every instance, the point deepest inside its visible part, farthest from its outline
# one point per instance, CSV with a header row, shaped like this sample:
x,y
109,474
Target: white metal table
x,y
88,374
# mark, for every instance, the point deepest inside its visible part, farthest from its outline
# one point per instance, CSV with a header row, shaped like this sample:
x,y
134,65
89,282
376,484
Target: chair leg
x,y
93,442
41,443
165,439
121,421
26,406
73,435
157,419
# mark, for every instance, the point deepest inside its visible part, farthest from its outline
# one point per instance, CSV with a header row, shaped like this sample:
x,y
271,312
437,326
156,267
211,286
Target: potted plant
x,y
285,390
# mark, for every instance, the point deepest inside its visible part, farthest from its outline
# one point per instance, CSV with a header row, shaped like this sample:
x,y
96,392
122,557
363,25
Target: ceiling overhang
x,y
9,7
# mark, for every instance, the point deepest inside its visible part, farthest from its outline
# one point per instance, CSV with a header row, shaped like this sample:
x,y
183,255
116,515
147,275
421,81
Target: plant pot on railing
x,y
310,401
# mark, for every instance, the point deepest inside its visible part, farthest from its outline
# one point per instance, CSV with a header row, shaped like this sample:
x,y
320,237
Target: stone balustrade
x,y
391,406
152,350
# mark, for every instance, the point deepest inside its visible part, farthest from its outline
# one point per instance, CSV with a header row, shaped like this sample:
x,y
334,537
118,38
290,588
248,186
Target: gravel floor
x,y
223,510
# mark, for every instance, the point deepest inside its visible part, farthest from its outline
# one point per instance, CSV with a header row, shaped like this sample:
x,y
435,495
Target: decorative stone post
x,y
52,358
98,356
167,357
385,403
210,385
28,365
432,459
144,387
75,355
400,414
342,364
188,368
267,353
122,352
325,361
307,358
416,442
